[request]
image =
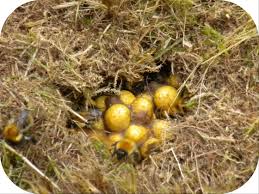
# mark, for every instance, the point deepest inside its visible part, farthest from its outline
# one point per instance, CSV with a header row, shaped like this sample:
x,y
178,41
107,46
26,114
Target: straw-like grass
x,y
56,55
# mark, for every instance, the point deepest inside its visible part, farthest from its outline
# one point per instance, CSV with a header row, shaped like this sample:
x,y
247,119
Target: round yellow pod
x,y
142,106
146,96
100,103
174,81
111,100
117,117
98,125
115,137
126,97
136,133
159,128
165,98
150,144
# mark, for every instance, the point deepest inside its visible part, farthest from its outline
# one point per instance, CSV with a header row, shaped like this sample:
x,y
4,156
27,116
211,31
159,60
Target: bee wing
x,y
24,120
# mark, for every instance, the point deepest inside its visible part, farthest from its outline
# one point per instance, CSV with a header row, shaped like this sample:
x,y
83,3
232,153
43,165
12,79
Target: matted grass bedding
x,y
56,55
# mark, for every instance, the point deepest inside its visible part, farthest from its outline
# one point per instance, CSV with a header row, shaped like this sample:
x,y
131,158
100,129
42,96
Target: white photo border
x,y
251,7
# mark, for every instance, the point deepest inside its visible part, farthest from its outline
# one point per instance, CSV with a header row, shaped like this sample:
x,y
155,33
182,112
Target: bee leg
x,y
113,147
135,157
25,120
30,139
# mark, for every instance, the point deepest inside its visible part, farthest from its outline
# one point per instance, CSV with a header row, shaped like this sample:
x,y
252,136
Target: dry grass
x,y
55,54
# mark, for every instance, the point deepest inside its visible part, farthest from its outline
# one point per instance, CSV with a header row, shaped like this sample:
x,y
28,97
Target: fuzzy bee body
x,y
24,120
13,131
126,149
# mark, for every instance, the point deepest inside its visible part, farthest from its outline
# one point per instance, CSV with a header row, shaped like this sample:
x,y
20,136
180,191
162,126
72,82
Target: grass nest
x,y
57,55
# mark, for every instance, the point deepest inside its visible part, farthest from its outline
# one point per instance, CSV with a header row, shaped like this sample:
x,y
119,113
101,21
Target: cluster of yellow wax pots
x,y
129,124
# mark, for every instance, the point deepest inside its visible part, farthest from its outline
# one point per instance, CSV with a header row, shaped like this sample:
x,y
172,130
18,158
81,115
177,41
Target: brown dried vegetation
x,y
55,54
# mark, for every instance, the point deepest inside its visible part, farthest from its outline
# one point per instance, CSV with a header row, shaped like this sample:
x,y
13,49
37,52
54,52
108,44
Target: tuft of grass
x,y
101,149
252,129
214,38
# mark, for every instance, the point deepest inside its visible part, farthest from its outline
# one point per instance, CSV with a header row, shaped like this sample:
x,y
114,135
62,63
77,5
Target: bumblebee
x,y
13,131
122,148
126,149
128,146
